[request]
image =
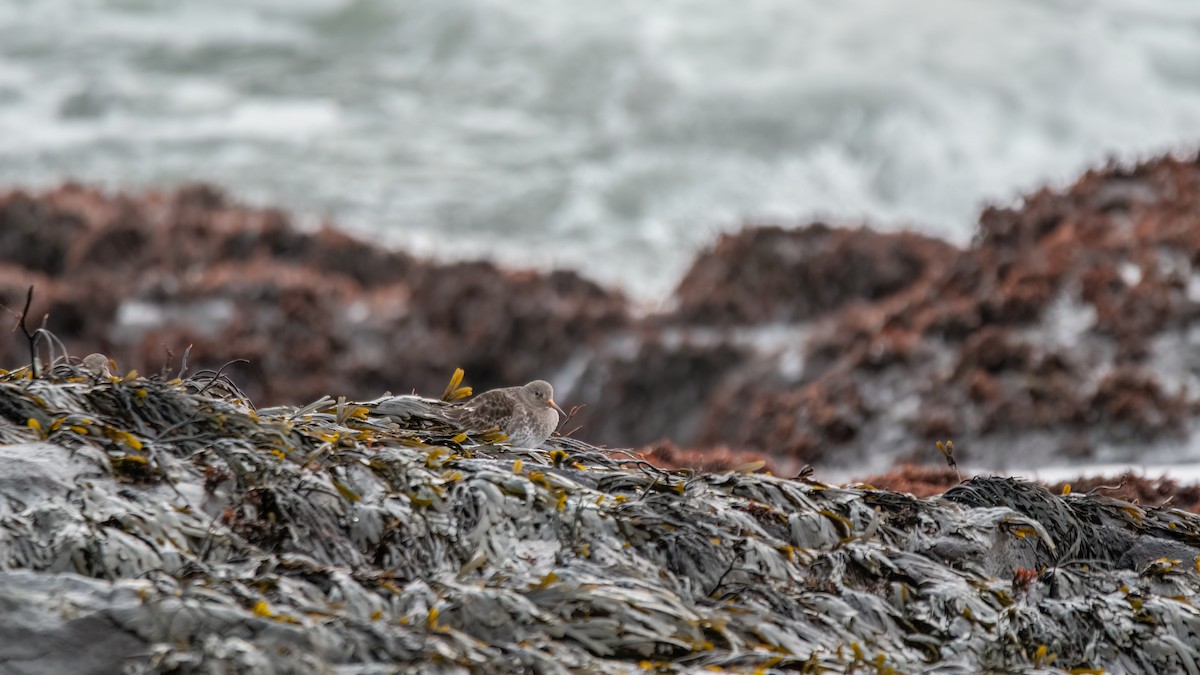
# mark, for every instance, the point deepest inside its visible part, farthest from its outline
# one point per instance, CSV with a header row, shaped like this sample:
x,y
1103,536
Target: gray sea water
x,y
616,138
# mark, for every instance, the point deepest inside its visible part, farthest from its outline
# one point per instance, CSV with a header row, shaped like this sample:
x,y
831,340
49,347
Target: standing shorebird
x,y
527,415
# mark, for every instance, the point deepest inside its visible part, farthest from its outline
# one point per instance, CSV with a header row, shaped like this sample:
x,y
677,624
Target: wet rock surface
x,y
1063,332
158,524
314,312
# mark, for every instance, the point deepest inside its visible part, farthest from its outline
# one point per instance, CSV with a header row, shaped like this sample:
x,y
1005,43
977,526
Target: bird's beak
x,y
555,406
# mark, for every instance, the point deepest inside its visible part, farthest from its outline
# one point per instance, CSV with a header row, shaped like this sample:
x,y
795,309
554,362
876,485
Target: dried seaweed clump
x,y
149,523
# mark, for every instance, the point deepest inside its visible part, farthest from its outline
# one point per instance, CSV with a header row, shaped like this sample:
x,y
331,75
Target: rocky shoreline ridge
x,y
1065,332
162,524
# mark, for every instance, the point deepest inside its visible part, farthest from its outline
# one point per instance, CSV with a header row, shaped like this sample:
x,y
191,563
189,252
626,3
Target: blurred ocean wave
x,y
616,138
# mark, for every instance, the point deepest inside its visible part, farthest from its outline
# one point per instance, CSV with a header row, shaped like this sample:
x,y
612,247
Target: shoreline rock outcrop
x,y
1063,332
312,312
168,522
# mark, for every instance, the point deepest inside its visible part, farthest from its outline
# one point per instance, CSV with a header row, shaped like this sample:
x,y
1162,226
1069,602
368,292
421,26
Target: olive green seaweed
x,y
163,524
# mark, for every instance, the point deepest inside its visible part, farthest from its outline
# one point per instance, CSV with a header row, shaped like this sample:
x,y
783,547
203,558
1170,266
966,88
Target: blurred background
x,y
656,206
615,139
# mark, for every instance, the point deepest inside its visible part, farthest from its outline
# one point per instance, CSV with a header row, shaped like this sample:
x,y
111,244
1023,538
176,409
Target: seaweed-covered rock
x,y
1065,330
771,274
309,311
184,531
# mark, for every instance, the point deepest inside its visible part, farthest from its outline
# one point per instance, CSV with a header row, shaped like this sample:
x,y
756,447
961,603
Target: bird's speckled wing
x,y
488,410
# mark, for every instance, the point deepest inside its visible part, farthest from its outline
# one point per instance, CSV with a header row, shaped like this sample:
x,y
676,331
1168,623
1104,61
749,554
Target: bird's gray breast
x,y
531,428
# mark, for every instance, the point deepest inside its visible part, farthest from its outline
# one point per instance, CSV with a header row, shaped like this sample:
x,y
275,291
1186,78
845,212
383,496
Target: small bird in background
x,y
98,365
527,414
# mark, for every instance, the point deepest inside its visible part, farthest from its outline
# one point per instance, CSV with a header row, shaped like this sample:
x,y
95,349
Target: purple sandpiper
x,y
527,415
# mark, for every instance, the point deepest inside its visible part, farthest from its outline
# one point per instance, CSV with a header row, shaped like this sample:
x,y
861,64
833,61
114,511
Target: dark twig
x,y
183,366
571,416
162,372
31,337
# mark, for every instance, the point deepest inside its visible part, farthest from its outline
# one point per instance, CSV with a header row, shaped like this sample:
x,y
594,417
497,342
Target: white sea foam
x,y
616,138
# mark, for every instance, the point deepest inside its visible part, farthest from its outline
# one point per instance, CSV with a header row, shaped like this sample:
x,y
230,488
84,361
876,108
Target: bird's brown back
x,y
489,410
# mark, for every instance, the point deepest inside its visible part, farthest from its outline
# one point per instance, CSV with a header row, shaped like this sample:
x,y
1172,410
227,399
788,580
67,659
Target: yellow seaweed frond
x,y
494,437
550,578
453,391
119,436
751,467
346,492
849,525
436,457
1024,531
1043,656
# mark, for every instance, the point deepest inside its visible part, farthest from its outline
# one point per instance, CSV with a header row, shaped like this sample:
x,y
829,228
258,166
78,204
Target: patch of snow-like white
x,y
784,341
207,317
1130,273
1065,323
1175,360
1193,288
1181,472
